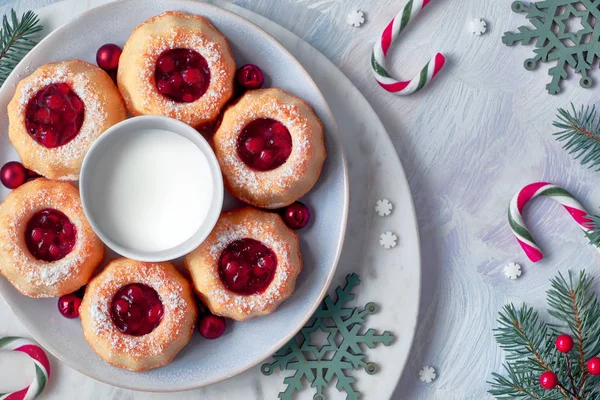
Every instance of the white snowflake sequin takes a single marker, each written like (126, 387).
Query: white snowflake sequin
(478, 26)
(383, 207)
(388, 240)
(512, 270)
(427, 374)
(356, 18)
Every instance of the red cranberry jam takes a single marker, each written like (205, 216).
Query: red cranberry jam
(247, 266)
(264, 144)
(182, 75)
(136, 309)
(50, 235)
(54, 116)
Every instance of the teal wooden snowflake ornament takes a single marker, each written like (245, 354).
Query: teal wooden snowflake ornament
(320, 364)
(557, 38)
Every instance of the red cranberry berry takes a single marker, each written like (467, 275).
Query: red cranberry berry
(53, 117)
(247, 266)
(13, 174)
(107, 56)
(202, 309)
(113, 75)
(593, 366)
(50, 235)
(68, 305)
(182, 75)
(250, 77)
(564, 343)
(296, 216)
(211, 326)
(548, 380)
(136, 309)
(264, 144)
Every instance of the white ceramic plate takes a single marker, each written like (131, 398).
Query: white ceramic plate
(245, 344)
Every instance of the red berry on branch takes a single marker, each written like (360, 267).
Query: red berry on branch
(211, 326)
(68, 305)
(107, 56)
(548, 380)
(564, 343)
(13, 174)
(593, 366)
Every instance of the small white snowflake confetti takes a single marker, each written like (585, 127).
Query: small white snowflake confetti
(478, 26)
(356, 18)
(388, 240)
(383, 207)
(427, 374)
(512, 270)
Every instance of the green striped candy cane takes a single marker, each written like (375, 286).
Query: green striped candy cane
(383, 44)
(560, 195)
(39, 358)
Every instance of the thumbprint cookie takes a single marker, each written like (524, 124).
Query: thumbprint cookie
(138, 315)
(47, 247)
(270, 148)
(58, 112)
(247, 266)
(177, 65)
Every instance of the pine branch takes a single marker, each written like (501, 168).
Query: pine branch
(594, 235)
(530, 348)
(17, 37)
(522, 334)
(581, 131)
(517, 386)
(576, 305)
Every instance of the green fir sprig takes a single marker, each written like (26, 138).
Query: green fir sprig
(594, 234)
(529, 344)
(17, 37)
(581, 132)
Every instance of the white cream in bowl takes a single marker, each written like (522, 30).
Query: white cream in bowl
(151, 188)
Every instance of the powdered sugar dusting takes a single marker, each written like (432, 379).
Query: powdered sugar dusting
(288, 115)
(208, 43)
(171, 294)
(94, 114)
(295, 115)
(263, 230)
(35, 272)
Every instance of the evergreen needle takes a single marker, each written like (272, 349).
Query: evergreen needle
(580, 130)
(594, 235)
(530, 350)
(17, 37)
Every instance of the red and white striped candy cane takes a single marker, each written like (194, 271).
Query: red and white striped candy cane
(515, 217)
(42, 367)
(380, 51)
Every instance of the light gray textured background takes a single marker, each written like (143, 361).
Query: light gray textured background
(468, 143)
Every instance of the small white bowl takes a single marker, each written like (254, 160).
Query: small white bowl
(186, 198)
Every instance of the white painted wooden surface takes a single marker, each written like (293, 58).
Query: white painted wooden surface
(468, 143)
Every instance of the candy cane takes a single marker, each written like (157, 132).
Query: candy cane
(42, 367)
(383, 77)
(515, 217)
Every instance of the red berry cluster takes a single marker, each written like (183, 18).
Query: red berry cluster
(564, 344)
